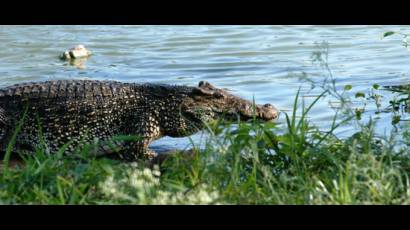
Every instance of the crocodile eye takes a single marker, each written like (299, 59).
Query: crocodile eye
(203, 84)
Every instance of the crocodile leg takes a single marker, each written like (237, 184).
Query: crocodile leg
(147, 130)
(139, 150)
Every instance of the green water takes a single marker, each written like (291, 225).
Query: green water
(259, 61)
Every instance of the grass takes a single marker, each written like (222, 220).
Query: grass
(251, 163)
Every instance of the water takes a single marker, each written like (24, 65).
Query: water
(259, 61)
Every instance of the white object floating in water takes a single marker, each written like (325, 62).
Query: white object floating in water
(77, 52)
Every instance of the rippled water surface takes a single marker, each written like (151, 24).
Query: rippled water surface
(260, 61)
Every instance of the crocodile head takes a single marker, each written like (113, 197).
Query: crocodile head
(209, 103)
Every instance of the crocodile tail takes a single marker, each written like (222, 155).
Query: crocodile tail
(3, 123)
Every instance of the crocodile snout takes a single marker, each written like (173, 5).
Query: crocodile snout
(268, 112)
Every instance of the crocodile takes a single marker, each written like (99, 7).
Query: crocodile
(70, 114)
